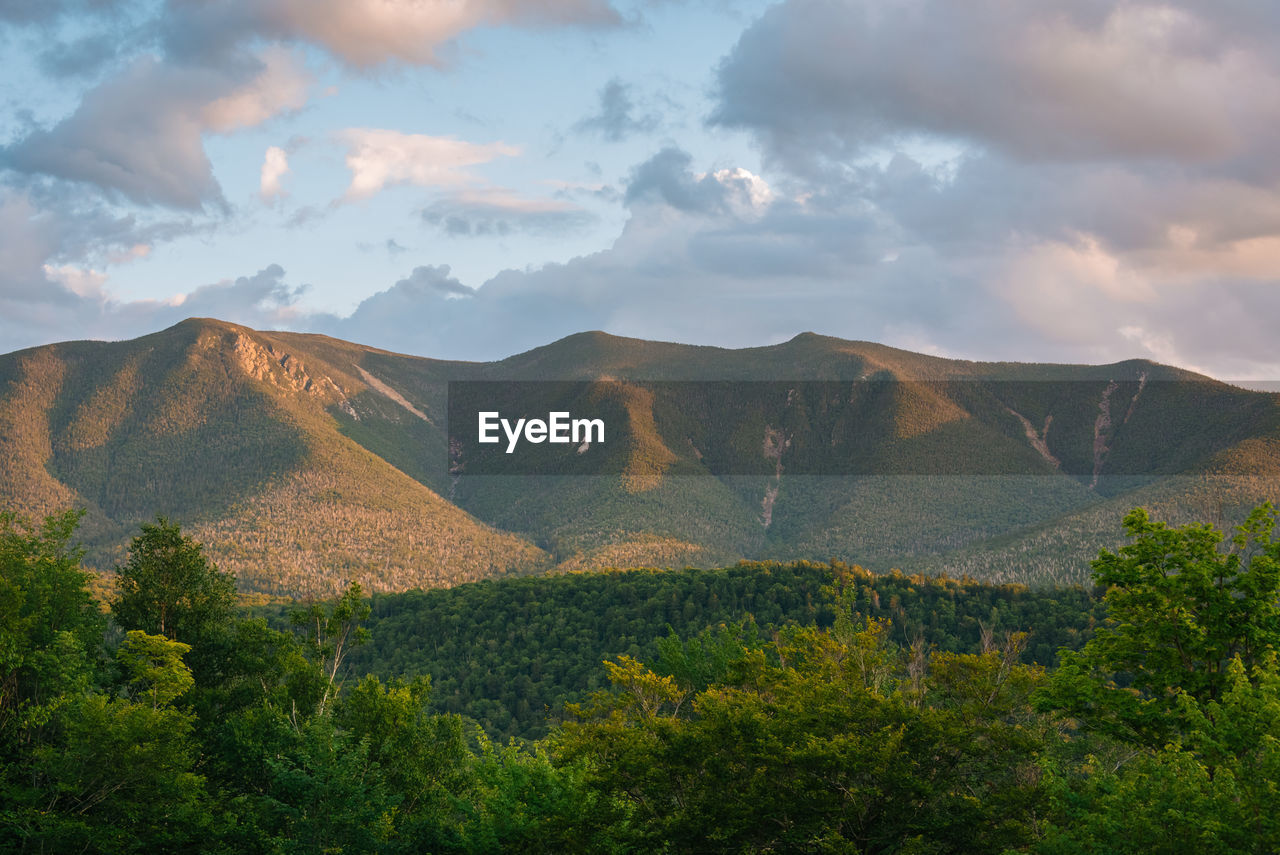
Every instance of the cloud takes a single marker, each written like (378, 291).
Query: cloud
(720, 257)
(81, 57)
(723, 274)
(26, 12)
(410, 316)
(667, 177)
(280, 85)
(725, 270)
(615, 121)
(1057, 80)
(379, 158)
(43, 227)
(27, 244)
(493, 211)
(430, 282)
(68, 301)
(79, 281)
(140, 135)
(1102, 176)
(56, 252)
(1083, 180)
(275, 164)
(264, 295)
(262, 300)
(364, 34)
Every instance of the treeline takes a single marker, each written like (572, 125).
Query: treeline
(171, 724)
(511, 653)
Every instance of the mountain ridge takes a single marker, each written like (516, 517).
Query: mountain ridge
(304, 460)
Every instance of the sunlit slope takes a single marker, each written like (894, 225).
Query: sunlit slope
(233, 432)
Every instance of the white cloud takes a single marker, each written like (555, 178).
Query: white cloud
(749, 194)
(1159, 347)
(692, 265)
(79, 281)
(1082, 180)
(275, 164)
(51, 289)
(76, 303)
(380, 158)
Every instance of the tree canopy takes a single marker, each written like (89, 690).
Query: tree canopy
(167, 586)
(851, 731)
(1184, 604)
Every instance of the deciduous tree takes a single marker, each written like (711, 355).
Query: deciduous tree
(167, 587)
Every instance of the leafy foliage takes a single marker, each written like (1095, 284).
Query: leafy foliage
(1182, 611)
(510, 654)
(333, 632)
(822, 742)
(845, 712)
(50, 628)
(154, 668)
(168, 588)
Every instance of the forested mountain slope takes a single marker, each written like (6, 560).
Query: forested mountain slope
(306, 461)
(232, 432)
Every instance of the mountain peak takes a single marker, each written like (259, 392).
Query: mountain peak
(302, 460)
(199, 325)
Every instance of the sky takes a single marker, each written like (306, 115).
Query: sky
(1031, 180)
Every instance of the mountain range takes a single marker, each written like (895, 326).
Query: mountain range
(302, 462)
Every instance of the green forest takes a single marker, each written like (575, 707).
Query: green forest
(763, 707)
(511, 653)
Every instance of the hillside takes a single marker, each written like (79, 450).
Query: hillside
(232, 432)
(303, 461)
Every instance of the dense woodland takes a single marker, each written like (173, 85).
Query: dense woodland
(511, 653)
(760, 708)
